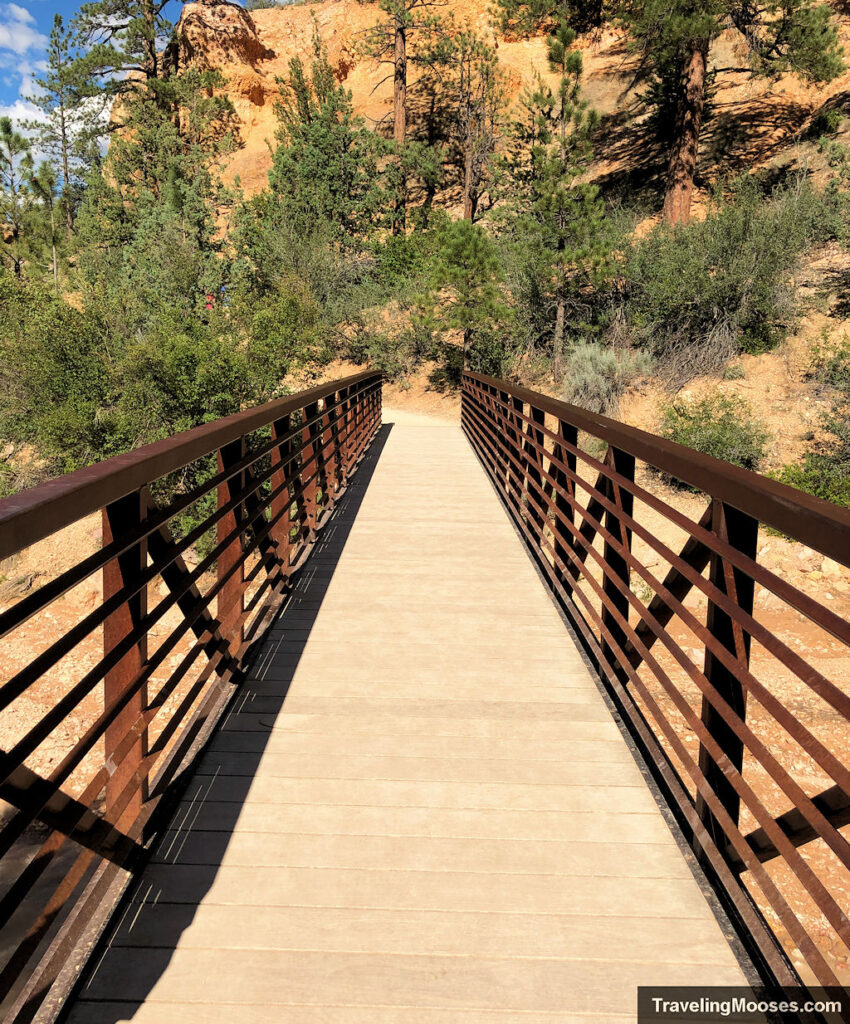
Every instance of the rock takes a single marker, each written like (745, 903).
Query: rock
(832, 568)
(218, 34)
(808, 559)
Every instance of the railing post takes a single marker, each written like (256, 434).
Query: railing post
(341, 442)
(310, 467)
(533, 467)
(564, 507)
(741, 532)
(330, 461)
(514, 432)
(281, 504)
(231, 596)
(119, 518)
(616, 566)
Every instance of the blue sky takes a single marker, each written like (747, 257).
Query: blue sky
(24, 26)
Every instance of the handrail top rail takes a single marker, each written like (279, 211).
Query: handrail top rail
(36, 513)
(812, 521)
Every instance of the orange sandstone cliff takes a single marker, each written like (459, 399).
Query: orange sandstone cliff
(765, 121)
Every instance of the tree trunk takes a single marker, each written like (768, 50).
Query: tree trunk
(400, 84)
(66, 167)
(683, 158)
(558, 337)
(467, 344)
(151, 58)
(470, 193)
(53, 249)
(400, 118)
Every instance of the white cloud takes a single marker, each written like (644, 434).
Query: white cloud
(17, 31)
(21, 14)
(20, 111)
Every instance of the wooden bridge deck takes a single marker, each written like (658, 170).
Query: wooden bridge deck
(420, 810)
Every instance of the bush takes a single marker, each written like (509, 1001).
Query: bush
(827, 122)
(825, 469)
(597, 375)
(54, 376)
(719, 425)
(697, 295)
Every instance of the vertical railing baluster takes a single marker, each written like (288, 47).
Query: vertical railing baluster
(741, 532)
(616, 565)
(310, 468)
(563, 505)
(281, 504)
(533, 467)
(231, 596)
(339, 438)
(120, 518)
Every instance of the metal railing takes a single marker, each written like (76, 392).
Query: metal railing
(202, 534)
(734, 681)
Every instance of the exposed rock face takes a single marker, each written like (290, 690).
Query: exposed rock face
(217, 32)
(252, 49)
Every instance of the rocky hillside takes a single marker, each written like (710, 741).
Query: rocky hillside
(754, 122)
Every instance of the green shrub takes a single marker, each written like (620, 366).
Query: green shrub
(54, 376)
(826, 122)
(824, 470)
(597, 375)
(734, 372)
(697, 295)
(718, 425)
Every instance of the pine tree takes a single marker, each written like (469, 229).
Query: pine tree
(468, 277)
(122, 42)
(545, 199)
(71, 117)
(327, 163)
(388, 42)
(674, 42)
(674, 38)
(15, 165)
(43, 184)
(474, 92)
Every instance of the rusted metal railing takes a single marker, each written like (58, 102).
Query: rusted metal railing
(108, 692)
(733, 679)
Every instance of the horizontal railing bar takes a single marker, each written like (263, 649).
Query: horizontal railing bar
(34, 514)
(54, 589)
(165, 648)
(818, 524)
(798, 600)
(818, 683)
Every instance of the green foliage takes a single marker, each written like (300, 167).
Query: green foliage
(523, 18)
(826, 122)
(719, 425)
(467, 272)
(597, 375)
(54, 376)
(121, 40)
(697, 295)
(824, 470)
(326, 167)
(555, 223)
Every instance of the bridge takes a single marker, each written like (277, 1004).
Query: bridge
(369, 717)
